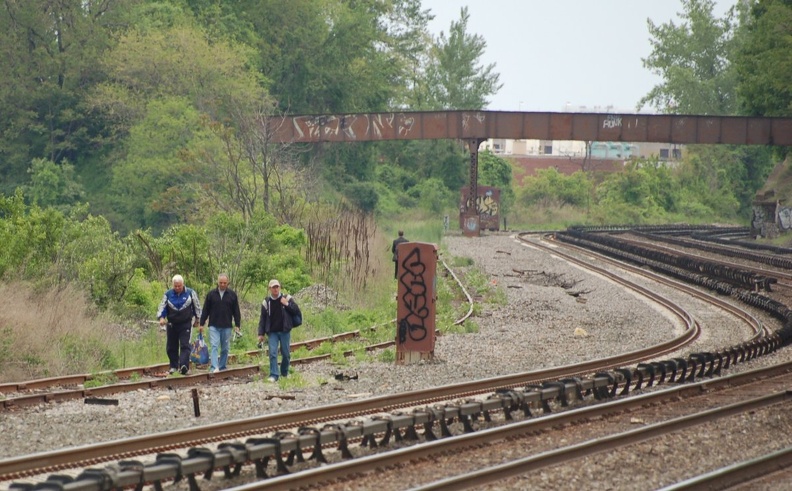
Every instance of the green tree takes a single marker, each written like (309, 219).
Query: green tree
(456, 78)
(551, 188)
(30, 236)
(49, 51)
(432, 196)
(174, 61)
(644, 192)
(153, 183)
(764, 61)
(363, 195)
(693, 59)
(99, 260)
(408, 26)
(497, 172)
(326, 56)
(727, 177)
(53, 185)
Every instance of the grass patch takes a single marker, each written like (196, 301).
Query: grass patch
(51, 333)
(101, 379)
(295, 380)
(58, 332)
(388, 355)
(148, 349)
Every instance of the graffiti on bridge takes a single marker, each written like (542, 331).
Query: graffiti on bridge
(353, 126)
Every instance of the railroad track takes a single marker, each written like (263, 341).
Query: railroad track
(472, 460)
(92, 455)
(777, 272)
(58, 389)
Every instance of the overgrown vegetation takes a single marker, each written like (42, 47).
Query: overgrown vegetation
(134, 147)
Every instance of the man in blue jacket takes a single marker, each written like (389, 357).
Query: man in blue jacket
(221, 307)
(181, 310)
(276, 323)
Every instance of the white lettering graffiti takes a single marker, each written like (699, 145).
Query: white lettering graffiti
(611, 122)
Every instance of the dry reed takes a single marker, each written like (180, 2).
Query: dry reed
(48, 333)
(339, 250)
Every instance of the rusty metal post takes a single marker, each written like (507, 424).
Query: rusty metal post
(196, 407)
(416, 298)
(471, 221)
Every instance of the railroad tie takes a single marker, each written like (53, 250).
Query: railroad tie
(106, 478)
(239, 455)
(627, 374)
(317, 450)
(644, 367)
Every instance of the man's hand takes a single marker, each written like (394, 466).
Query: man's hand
(200, 329)
(163, 321)
(196, 323)
(284, 301)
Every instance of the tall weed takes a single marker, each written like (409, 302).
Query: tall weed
(51, 333)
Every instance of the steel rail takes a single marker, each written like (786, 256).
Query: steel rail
(755, 324)
(769, 272)
(107, 451)
(572, 452)
(739, 473)
(464, 290)
(449, 445)
(126, 373)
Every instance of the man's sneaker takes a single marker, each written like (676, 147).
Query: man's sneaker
(171, 371)
(272, 379)
(214, 370)
(183, 369)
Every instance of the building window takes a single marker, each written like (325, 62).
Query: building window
(548, 149)
(664, 153)
(676, 154)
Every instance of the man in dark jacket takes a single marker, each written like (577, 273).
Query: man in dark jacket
(178, 308)
(221, 307)
(276, 323)
(398, 240)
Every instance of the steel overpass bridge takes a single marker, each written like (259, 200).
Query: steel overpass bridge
(474, 127)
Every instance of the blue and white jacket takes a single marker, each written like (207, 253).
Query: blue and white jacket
(179, 308)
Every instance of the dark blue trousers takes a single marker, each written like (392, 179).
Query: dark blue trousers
(178, 344)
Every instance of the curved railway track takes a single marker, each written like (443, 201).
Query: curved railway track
(599, 428)
(506, 397)
(772, 271)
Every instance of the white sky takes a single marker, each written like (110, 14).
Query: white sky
(550, 53)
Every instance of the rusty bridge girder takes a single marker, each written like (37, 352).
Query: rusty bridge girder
(480, 125)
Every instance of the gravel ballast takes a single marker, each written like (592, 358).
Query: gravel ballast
(554, 314)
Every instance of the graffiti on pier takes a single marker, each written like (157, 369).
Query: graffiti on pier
(416, 297)
(768, 220)
(758, 217)
(785, 218)
(487, 205)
